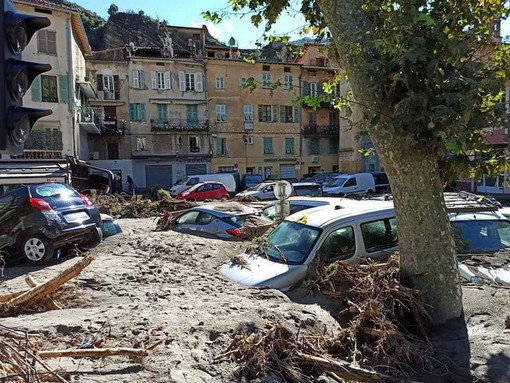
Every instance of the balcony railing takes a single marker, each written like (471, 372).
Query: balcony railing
(44, 140)
(321, 130)
(88, 115)
(179, 125)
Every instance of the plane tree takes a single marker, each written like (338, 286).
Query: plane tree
(428, 76)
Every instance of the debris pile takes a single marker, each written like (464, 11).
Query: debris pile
(385, 328)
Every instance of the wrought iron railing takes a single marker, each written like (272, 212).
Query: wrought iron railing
(321, 130)
(178, 125)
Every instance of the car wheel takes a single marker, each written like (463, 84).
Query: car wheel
(94, 238)
(36, 248)
(224, 198)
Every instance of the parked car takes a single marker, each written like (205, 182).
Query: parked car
(38, 219)
(382, 184)
(262, 192)
(203, 191)
(226, 179)
(298, 204)
(109, 226)
(321, 178)
(307, 189)
(345, 184)
(250, 180)
(224, 222)
(354, 230)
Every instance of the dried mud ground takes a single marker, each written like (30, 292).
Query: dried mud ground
(146, 286)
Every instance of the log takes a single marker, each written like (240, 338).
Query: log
(343, 369)
(31, 282)
(92, 352)
(7, 297)
(52, 284)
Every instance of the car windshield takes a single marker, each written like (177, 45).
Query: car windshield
(182, 181)
(52, 190)
(336, 181)
(291, 242)
(258, 187)
(481, 236)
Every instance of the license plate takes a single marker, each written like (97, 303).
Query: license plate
(76, 217)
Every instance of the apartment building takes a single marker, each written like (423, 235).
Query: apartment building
(254, 129)
(64, 89)
(152, 108)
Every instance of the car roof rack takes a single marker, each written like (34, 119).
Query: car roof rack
(468, 202)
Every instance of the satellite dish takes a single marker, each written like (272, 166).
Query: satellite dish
(282, 189)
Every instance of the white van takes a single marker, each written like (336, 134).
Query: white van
(226, 179)
(349, 184)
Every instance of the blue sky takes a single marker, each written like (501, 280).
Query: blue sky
(188, 13)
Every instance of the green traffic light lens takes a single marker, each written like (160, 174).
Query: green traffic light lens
(19, 131)
(19, 84)
(18, 37)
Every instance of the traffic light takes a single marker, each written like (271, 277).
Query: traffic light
(17, 75)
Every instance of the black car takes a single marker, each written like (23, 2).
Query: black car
(36, 220)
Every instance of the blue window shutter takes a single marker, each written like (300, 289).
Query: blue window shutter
(162, 112)
(63, 94)
(36, 89)
(132, 112)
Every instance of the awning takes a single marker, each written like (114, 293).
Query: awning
(90, 127)
(87, 89)
(28, 173)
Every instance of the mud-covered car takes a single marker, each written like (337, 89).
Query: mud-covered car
(38, 219)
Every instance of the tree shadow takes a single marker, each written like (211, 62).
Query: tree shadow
(498, 367)
(451, 353)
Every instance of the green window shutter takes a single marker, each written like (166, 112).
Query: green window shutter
(289, 145)
(36, 89)
(314, 146)
(296, 113)
(274, 113)
(219, 146)
(268, 145)
(162, 112)
(63, 94)
(132, 112)
(142, 112)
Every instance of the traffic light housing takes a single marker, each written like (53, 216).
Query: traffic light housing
(17, 75)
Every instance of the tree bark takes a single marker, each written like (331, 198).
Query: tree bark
(426, 245)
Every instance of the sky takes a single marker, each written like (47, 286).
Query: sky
(187, 13)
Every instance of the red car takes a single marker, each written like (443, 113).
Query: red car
(204, 190)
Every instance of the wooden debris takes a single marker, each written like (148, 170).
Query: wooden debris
(52, 284)
(93, 352)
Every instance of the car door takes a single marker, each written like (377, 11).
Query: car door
(202, 192)
(195, 222)
(379, 237)
(350, 186)
(268, 193)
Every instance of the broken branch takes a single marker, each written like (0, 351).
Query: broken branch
(93, 352)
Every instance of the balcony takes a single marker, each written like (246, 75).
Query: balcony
(179, 125)
(320, 130)
(89, 120)
(50, 140)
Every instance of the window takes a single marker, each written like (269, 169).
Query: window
(221, 113)
(220, 83)
(288, 113)
(113, 150)
(248, 112)
(379, 235)
(350, 182)
(49, 88)
(162, 113)
(333, 119)
(314, 89)
(287, 82)
(314, 146)
(266, 80)
(192, 114)
(289, 145)
(137, 79)
(312, 118)
(160, 80)
(194, 144)
(339, 245)
(190, 82)
(268, 113)
(141, 144)
(321, 61)
(137, 112)
(333, 145)
(47, 42)
(221, 146)
(268, 145)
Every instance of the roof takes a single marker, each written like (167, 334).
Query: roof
(323, 215)
(77, 25)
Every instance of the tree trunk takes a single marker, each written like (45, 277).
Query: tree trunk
(426, 244)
